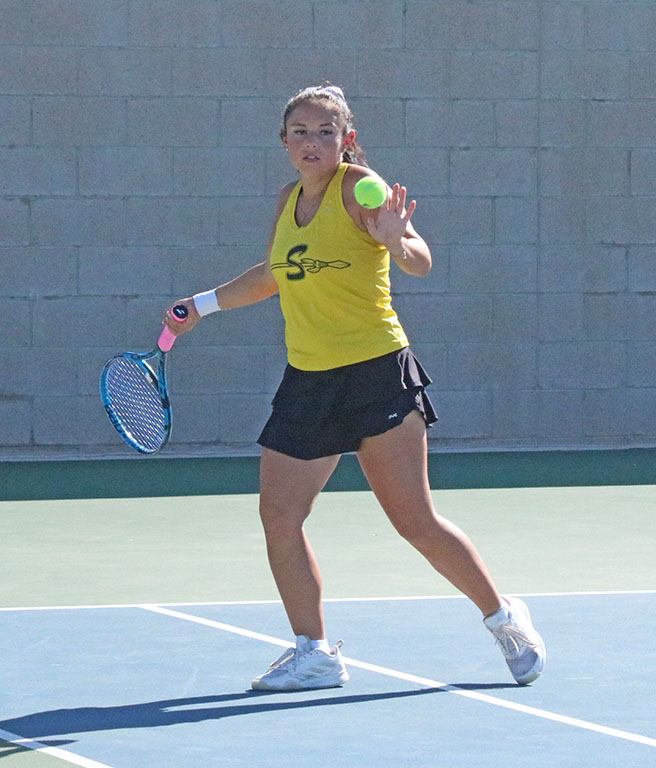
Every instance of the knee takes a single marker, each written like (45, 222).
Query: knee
(281, 520)
(414, 534)
(418, 530)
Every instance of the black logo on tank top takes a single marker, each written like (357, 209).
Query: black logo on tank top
(306, 264)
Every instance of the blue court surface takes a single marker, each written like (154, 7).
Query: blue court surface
(167, 686)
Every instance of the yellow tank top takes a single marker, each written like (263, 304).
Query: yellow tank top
(334, 286)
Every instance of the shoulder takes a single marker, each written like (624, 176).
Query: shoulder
(283, 197)
(287, 189)
(285, 192)
(354, 173)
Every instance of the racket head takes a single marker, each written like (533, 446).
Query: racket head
(134, 393)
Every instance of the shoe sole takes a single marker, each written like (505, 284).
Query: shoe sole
(293, 685)
(519, 606)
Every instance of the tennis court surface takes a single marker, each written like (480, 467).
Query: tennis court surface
(131, 628)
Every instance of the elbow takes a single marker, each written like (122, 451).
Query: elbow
(423, 268)
(420, 267)
(420, 262)
(416, 267)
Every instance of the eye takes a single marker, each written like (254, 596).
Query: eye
(299, 131)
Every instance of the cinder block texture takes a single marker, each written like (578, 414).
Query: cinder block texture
(140, 161)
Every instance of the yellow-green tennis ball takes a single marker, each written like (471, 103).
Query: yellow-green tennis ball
(370, 193)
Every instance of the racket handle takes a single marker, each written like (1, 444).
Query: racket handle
(167, 337)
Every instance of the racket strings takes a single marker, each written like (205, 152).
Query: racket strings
(136, 403)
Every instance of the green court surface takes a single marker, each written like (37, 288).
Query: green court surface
(211, 548)
(16, 757)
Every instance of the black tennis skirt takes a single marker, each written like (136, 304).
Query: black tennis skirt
(325, 413)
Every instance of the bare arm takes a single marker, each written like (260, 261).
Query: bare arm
(417, 260)
(253, 285)
(257, 283)
(390, 225)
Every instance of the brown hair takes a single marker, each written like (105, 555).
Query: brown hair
(335, 100)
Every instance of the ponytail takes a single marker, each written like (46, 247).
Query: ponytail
(355, 155)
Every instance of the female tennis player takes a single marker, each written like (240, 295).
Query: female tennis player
(351, 384)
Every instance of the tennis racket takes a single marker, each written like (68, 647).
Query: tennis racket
(134, 392)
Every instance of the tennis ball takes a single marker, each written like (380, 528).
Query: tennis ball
(370, 193)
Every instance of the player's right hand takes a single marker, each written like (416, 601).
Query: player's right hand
(177, 327)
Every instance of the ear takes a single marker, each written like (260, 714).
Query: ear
(349, 139)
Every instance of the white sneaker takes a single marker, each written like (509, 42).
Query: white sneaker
(302, 668)
(519, 642)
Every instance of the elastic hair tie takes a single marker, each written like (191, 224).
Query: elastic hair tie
(336, 91)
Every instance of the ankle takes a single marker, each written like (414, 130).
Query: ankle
(501, 604)
(307, 643)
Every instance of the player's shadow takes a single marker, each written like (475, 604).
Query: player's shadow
(156, 714)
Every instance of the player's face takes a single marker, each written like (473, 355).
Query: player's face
(315, 138)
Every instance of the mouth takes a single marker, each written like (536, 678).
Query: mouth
(310, 158)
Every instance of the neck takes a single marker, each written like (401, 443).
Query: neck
(315, 186)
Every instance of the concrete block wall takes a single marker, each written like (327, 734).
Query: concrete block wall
(140, 159)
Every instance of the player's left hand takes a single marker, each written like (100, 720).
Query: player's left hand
(392, 220)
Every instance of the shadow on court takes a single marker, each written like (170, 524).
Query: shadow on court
(155, 714)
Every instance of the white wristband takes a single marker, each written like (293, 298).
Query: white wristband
(206, 303)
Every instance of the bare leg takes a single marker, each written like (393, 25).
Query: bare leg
(395, 465)
(288, 490)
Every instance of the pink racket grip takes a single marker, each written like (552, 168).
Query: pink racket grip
(167, 337)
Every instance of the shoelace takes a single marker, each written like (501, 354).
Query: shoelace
(285, 658)
(512, 639)
(291, 653)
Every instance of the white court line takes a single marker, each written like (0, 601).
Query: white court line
(101, 606)
(542, 713)
(62, 754)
